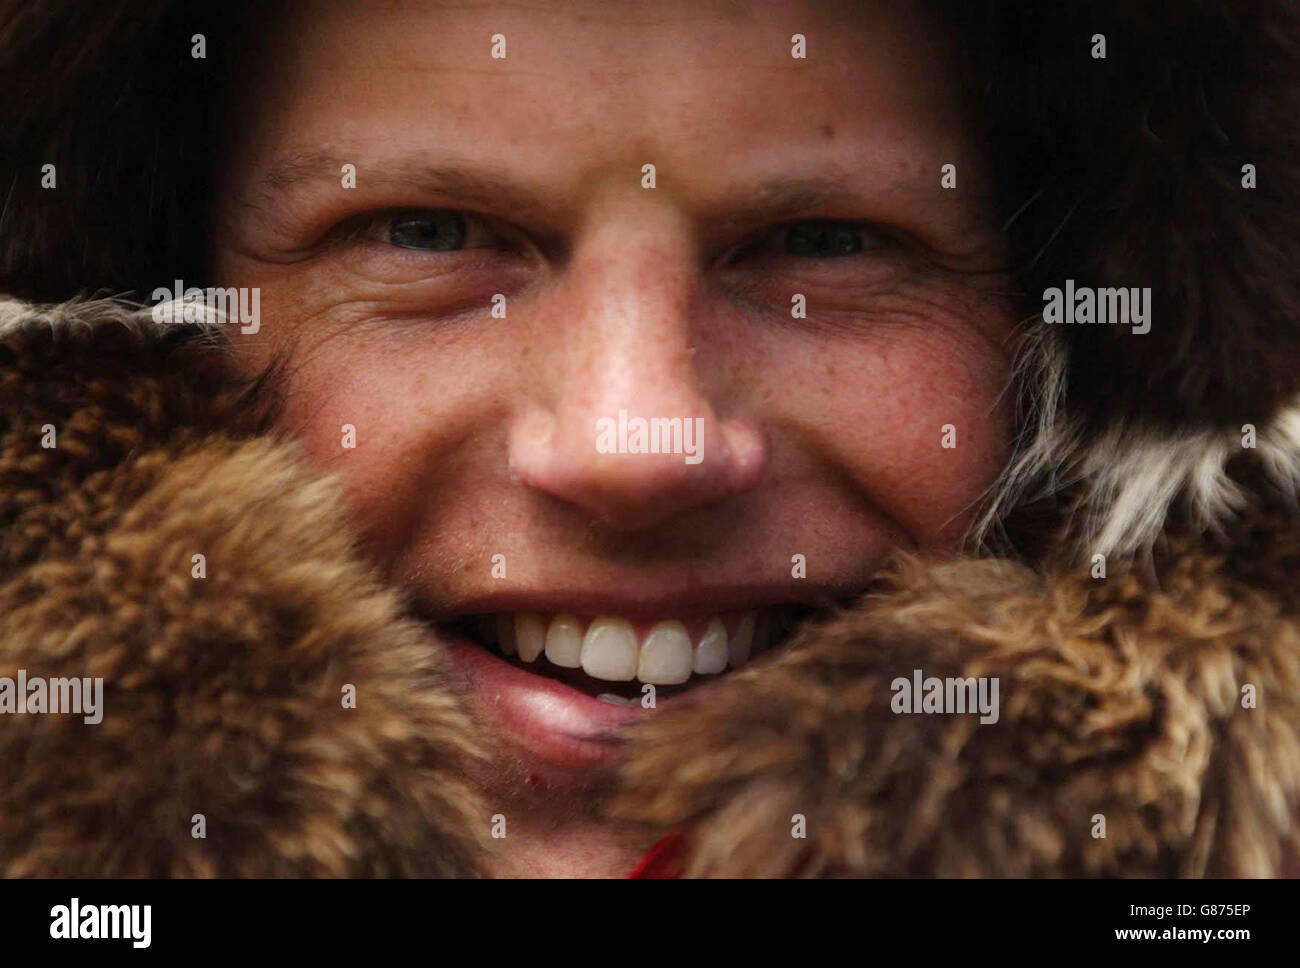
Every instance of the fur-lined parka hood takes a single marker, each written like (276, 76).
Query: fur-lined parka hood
(1132, 586)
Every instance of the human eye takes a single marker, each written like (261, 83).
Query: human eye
(427, 230)
(818, 239)
(406, 245)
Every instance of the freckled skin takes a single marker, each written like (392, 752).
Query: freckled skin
(476, 435)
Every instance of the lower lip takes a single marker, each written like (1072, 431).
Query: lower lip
(547, 720)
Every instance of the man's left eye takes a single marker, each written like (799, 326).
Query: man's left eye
(822, 239)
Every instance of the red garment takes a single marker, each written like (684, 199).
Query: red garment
(662, 860)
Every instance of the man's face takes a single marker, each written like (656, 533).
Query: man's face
(492, 474)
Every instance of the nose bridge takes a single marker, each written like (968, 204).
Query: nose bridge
(634, 285)
(630, 433)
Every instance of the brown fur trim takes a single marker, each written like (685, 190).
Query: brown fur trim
(1119, 697)
(222, 695)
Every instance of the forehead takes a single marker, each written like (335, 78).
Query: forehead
(583, 85)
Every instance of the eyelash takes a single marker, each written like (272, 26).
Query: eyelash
(774, 235)
(375, 228)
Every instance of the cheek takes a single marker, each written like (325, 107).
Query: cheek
(360, 428)
(916, 419)
(362, 405)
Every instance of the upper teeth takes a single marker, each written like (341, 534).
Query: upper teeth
(609, 647)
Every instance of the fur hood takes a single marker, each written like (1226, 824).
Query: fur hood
(1133, 587)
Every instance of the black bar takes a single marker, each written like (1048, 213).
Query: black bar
(447, 920)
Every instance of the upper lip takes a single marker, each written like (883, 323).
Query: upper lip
(695, 601)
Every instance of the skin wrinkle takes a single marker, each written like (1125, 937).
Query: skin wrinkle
(476, 434)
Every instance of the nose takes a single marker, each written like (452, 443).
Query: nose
(630, 434)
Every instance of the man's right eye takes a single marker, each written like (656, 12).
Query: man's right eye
(427, 230)
(435, 231)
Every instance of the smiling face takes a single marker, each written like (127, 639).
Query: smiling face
(495, 472)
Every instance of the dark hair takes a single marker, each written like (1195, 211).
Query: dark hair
(109, 93)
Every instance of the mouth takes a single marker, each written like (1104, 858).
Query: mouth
(560, 683)
(611, 658)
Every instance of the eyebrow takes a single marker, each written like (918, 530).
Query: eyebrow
(784, 197)
(476, 185)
